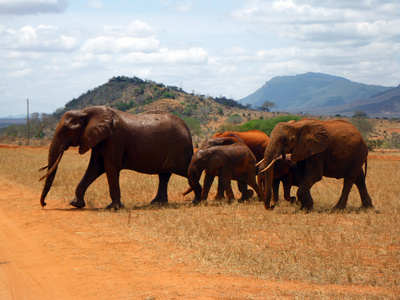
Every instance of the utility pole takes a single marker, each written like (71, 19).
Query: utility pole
(27, 117)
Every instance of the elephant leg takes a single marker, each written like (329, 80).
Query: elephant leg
(362, 189)
(253, 183)
(246, 193)
(195, 185)
(208, 180)
(225, 175)
(287, 186)
(114, 188)
(275, 190)
(220, 190)
(347, 185)
(304, 195)
(312, 174)
(94, 170)
(162, 196)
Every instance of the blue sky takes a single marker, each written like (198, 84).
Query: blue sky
(54, 50)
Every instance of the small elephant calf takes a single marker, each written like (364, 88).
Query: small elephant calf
(229, 160)
(288, 173)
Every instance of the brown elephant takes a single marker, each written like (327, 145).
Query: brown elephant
(320, 148)
(153, 143)
(256, 140)
(287, 172)
(227, 159)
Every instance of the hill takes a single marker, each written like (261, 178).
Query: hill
(383, 105)
(4, 122)
(135, 95)
(311, 90)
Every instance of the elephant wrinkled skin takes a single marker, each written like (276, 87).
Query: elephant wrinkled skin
(153, 143)
(321, 148)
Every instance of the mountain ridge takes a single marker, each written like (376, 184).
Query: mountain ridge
(311, 90)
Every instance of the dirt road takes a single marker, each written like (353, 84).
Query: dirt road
(63, 253)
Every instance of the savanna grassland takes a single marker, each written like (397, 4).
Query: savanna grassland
(216, 250)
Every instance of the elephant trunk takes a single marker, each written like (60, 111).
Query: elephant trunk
(267, 168)
(55, 155)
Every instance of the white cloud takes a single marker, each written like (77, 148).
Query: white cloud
(107, 44)
(41, 38)
(180, 6)
(165, 56)
(95, 4)
(135, 28)
(29, 7)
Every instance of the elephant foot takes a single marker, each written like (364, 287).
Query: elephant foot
(198, 202)
(115, 206)
(246, 196)
(78, 203)
(293, 200)
(339, 207)
(219, 197)
(157, 201)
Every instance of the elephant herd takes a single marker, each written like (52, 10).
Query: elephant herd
(297, 153)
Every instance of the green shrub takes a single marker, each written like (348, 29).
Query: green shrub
(266, 125)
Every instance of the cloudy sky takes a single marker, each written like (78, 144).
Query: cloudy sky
(54, 50)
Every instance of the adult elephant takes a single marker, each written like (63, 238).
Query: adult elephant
(227, 159)
(153, 143)
(320, 148)
(256, 140)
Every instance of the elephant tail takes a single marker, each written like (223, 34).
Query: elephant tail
(190, 189)
(366, 166)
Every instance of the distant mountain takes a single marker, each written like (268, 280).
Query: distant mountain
(4, 122)
(311, 90)
(386, 104)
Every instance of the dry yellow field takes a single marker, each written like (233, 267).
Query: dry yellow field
(213, 251)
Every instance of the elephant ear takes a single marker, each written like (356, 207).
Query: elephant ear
(313, 138)
(99, 123)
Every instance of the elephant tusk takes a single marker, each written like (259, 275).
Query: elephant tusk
(53, 167)
(44, 168)
(270, 165)
(259, 163)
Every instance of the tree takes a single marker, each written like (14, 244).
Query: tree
(363, 124)
(268, 105)
(40, 121)
(360, 113)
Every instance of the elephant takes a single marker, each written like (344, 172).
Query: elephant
(229, 160)
(287, 172)
(321, 148)
(153, 142)
(256, 140)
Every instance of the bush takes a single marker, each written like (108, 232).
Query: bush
(234, 119)
(364, 125)
(193, 124)
(266, 125)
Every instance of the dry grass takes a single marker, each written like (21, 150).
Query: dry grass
(354, 247)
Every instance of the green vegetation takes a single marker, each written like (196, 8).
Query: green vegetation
(363, 124)
(267, 125)
(228, 102)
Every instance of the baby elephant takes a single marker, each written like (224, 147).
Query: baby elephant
(288, 173)
(227, 161)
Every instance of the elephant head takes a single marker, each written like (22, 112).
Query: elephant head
(84, 128)
(302, 139)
